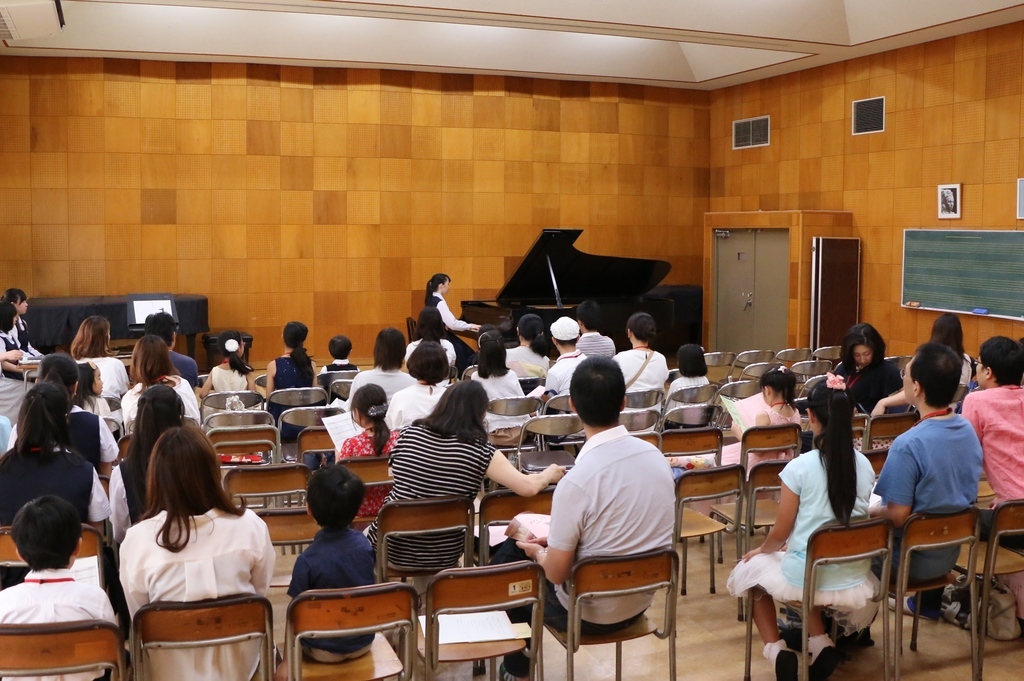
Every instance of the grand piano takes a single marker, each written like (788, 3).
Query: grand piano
(554, 278)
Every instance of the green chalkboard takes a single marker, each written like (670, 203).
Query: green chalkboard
(964, 271)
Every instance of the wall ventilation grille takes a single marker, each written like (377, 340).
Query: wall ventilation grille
(751, 132)
(869, 116)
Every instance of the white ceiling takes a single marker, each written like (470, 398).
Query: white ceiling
(702, 44)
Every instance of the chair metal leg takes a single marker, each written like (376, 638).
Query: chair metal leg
(570, 673)
(672, 655)
(480, 668)
(986, 591)
(898, 639)
(711, 562)
(975, 638)
(618, 661)
(721, 541)
(917, 617)
(682, 565)
(749, 599)
(886, 641)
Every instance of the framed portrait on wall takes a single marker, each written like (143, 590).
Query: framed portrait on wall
(949, 201)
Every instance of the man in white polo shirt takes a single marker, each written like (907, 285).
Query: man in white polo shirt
(617, 500)
(565, 332)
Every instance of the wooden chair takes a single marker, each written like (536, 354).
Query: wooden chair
(832, 353)
(238, 419)
(882, 430)
(703, 485)
(719, 366)
(837, 545)
(421, 518)
(376, 609)
(244, 441)
(499, 507)
(483, 589)
(604, 577)
(566, 426)
(42, 650)
(644, 399)
(202, 624)
(314, 440)
(374, 471)
(693, 442)
(92, 547)
(926, 532)
(877, 458)
(991, 560)
(766, 439)
(284, 483)
(793, 355)
(749, 357)
(641, 420)
(290, 528)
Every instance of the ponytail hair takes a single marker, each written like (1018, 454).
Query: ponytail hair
(782, 381)
(833, 407)
(531, 328)
(372, 402)
(294, 336)
(434, 283)
(229, 343)
(160, 408)
(42, 426)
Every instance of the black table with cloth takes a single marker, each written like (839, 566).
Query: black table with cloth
(55, 321)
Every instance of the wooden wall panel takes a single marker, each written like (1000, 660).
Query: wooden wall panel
(331, 195)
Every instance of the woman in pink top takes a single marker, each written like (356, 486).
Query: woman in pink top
(369, 405)
(773, 407)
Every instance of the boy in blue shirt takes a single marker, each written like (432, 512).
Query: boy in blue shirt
(339, 557)
(932, 468)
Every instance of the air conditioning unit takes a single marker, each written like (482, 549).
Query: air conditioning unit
(25, 19)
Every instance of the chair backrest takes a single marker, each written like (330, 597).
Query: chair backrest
(246, 440)
(327, 378)
(234, 419)
(122, 446)
(700, 394)
(558, 404)
(877, 458)
(374, 471)
(859, 541)
(219, 401)
(514, 406)
(887, 427)
(315, 439)
(500, 506)
(764, 476)
(694, 415)
(644, 399)
(530, 383)
(809, 384)
(289, 526)
(719, 365)
(1007, 519)
(832, 353)
(203, 624)
(307, 417)
(925, 531)
(751, 357)
(757, 370)
(552, 425)
(378, 608)
(708, 483)
(341, 388)
(453, 373)
(276, 480)
(738, 390)
(432, 516)
(113, 402)
(640, 420)
(691, 441)
(52, 649)
(261, 381)
(297, 397)
(469, 372)
(960, 394)
(793, 355)
(92, 547)
(810, 368)
(760, 439)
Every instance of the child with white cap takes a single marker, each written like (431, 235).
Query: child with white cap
(565, 332)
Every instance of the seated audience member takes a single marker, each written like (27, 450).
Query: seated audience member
(388, 354)
(773, 407)
(369, 406)
(151, 365)
(293, 369)
(430, 328)
(447, 453)
(48, 535)
(830, 484)
(163, 325)
(530, 358)
(193, 544)
(92, 344)
(932, 468)
(18, 298)
(340, 348)
(868, 376)
(643, 368)
(591, 342)
(89, 395)
(12, 387)
(617, 500)
(564, 332)
(338, 558)
(233, 374)
(159, 410)
(946, 330)
(429, 365)
(997, 413)
(693, 370)
(496, 378)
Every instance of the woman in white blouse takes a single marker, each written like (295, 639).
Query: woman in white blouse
(429, 327)
(92, 344)
(387, 364)
(429, 366)
(151, 365)
(530, 358)
(194, 544)
(499, 382)
(643, 368)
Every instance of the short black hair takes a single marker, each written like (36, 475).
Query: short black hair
(428, 363)
(588, 313)
(334, 496)
(46, 531)
(161, 324)
(937, 368)
(14, 296)
(340, 347)
(1005, 357)
(691, 360)
(389, 349)
(7, 316)
(642, 325)
(597, 390)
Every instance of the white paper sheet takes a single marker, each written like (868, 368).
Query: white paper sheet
(144, 308)
(473, 627)
(341, 427)
(86, 571)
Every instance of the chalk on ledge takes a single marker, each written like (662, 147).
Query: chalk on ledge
(980, 310)
(913, 303)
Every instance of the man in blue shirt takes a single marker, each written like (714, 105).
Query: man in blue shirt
(932, 468)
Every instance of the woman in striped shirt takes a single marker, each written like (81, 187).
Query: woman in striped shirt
(447, 453)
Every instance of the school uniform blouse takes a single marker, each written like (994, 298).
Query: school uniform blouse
(640, 376)
(448, 318)
(449, 350)
(412, 403)
(20, 335)
(106, 445)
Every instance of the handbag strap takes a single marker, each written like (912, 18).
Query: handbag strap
(650, 353)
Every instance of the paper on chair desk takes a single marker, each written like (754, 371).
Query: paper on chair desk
(341, 427)
(86, 571)
(473, 627)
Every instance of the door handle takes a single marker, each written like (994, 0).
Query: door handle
(750, 301)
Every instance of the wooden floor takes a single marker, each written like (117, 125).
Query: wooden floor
(709, 644)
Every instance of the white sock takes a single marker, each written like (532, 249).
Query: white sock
(772, 650)
(816, 644)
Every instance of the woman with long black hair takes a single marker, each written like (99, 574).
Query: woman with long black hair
(437, 288)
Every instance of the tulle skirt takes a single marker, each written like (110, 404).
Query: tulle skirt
(765, 570)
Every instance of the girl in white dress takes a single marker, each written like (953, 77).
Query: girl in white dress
(232, 374)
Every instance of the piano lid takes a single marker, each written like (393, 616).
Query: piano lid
(579, 275)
